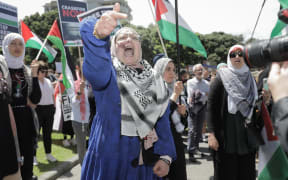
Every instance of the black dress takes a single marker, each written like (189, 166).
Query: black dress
(178, 167)
(8, 157)
(23, 116)
(235, 158)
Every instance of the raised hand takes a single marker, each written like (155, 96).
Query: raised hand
(108, 22)
(277, 80)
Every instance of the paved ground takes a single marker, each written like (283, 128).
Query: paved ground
(201, 171)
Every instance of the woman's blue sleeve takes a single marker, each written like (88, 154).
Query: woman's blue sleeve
(165, 144)
(97, 65)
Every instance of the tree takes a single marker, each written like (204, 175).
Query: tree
(217, 45)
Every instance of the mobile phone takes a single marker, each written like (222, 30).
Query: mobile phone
(265, 84)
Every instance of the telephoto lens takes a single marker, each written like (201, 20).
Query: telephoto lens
(263, 52)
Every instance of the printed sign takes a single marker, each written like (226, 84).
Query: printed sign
(96, 12)
(68, 11)
(66, 107)
(8, 20)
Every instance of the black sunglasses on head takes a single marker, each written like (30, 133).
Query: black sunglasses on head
(234, 54)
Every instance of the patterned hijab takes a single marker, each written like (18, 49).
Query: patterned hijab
(144, 97)
(12, 61)
(240, 86)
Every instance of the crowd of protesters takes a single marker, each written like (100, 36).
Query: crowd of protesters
(143, 111)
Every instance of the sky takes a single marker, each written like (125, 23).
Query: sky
(204, 16)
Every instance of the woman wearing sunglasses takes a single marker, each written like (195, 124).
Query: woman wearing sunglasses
(232, 97)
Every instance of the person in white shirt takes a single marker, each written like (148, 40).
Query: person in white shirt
(45, 109)
(80, 114)
(197, 89)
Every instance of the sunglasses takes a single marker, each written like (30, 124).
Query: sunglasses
(234, 54)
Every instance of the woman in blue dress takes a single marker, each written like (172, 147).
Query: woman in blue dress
(130, 137)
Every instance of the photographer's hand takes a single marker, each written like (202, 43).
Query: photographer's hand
(277, 80)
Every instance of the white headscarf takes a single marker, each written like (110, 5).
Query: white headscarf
(12, 61)
(144, 97)
(113, 41)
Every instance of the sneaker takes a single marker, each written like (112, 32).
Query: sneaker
(34, 178)
(73, 142)
(50, 158)
(192, 159)
(199, 153)
(66, 143)
(35, 162)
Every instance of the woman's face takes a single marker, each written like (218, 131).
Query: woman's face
(128, 47)
(169, 73)
(16, 48)
(236, 58)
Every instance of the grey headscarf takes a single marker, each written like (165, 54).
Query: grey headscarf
(160, 67)
(240, 86)
(12, 61)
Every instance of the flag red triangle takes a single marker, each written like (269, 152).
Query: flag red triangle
(268, 123)
(26, 32)
(55, 31)
(161, 9)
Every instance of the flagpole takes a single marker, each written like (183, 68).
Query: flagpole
(178, 46)
(37, 57)
(80, 62)
(157, 27)
(177, 38)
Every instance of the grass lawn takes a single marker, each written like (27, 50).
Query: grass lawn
(60, 152)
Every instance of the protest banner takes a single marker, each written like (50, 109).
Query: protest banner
(8, 20)
(68, 11)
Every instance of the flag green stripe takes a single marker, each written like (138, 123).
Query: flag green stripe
(59, 44)
(186, 37)
(10, 23)
(34, 44)
(277, 29)
(276, 168)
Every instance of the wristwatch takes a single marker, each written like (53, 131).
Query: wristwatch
(166, 161)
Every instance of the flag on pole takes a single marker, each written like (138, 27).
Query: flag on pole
(165, 17)
(273, 163)
(32, 41)
(55, 37)
(280, 25)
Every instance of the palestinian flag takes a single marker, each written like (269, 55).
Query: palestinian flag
(273, 163)
(32, 41)
(55, 37)
(165, 17)
(280, 25)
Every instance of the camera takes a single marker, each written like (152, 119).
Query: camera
(263, 52)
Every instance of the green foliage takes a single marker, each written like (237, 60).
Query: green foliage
(217, 44)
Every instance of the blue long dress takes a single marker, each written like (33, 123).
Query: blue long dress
(110, 154)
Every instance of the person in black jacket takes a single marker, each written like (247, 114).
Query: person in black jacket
(233, 94)
(24, 91)
(165, 67)
(278, 85)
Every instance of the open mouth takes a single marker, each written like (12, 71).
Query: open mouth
(129, 52)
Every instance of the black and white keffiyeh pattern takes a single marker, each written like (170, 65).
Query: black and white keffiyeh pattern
(144, 98)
